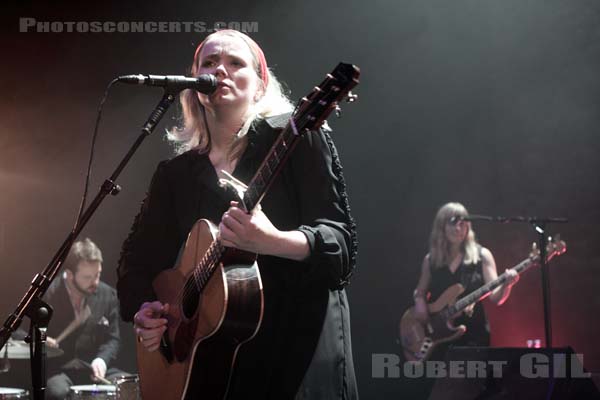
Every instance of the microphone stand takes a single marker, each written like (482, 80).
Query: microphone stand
(539, 225)
(32, 305)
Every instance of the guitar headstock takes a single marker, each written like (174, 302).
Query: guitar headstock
(313, 109)
(555, 247)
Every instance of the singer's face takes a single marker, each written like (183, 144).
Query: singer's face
(456, 231)
(230, 60)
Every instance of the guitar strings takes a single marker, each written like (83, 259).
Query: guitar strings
(204, 269)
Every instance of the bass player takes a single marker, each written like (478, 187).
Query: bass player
(456, 257)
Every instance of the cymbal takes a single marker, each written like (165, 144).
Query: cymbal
(19, 350)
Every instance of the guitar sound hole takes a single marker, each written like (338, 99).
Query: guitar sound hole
(191, 299)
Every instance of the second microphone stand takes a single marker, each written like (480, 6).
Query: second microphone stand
(539, 225)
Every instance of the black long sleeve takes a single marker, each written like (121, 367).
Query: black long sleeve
(185, 189)
(151, 246)
(324, 208)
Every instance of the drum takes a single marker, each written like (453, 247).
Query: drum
(128, 387)
(92, 392)
(13, 393)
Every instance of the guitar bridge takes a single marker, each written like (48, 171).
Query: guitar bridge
(427, 343)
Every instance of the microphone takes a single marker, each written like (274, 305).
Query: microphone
(458, 218)
(531, 220)
(204, 83)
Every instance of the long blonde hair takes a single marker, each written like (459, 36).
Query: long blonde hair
(439, 246)
(192, 133)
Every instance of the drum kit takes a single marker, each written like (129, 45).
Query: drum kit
(124, 387)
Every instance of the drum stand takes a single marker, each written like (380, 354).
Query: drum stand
(39, 314)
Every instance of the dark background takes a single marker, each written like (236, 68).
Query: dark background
(490, 103)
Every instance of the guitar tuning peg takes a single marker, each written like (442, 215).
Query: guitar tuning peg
(351, 97)
(534, 250)
(338, 111)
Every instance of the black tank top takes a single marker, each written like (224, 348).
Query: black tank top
(470, 276)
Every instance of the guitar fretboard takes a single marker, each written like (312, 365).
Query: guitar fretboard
(260, 183)
(488, 288)
(270, 167)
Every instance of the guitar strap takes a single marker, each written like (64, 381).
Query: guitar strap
(472, 276)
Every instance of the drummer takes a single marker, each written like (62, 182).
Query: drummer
(85, 323)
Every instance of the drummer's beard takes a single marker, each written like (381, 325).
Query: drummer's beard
(85, 292)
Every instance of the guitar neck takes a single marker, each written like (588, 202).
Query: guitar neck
(485, 290)
(271, 166)
(257, 188)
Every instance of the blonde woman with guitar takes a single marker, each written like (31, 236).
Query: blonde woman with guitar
(234, 271)
(456, 257)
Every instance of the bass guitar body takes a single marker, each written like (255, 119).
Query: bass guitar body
(209, 318)
(418, 338)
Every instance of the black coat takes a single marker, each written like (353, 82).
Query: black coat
(305, 333)
(97, 337)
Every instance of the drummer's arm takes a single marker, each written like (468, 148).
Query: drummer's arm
(51, 342)
(107, 352)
